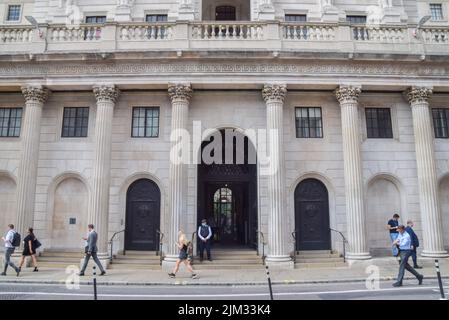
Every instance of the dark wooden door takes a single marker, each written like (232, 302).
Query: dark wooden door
(312, 216)
(142, 216)
(225, 13)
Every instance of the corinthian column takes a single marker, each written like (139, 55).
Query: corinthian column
(180, 95)
(35, 97)
(106, 95)
(355, 209)
(278, 255)
(427, 177)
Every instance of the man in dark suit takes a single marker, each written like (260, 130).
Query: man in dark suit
(91, 250)
(415, 242)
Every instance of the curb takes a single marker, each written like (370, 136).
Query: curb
(196, 283)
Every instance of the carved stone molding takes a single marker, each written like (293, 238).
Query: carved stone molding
(346, 93)
(180, 91)
(418, 95)
(106, 93)
(274, 92)
(35, 93)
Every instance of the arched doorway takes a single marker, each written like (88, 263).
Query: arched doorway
(227, 190)
(312, 215)
(143, 201)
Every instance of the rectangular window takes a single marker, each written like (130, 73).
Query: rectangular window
(145, 122)
(10, 122)
(309, 123)
(96, 19)
(378, 123)
(295, 18)
(440, 122)
(356, 19)
(75, 122)
(13, 13)
(156, 18)
(436, 11)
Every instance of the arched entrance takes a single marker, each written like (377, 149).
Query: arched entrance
(227, 190)
(143, 202)
(312, 216)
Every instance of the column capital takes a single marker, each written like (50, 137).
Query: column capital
(348, 93)
(106, 93)
(36, 93)
(180, 92)
(417, 94)
(273, 92)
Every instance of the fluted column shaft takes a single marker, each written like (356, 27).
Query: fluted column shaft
(180, 95)
(355, 209)
(106, 96)
(426, 169)
(35, 97)
(274, 95)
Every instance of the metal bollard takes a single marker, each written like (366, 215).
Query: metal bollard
(269, 282)
(440, 283)
(95, 283)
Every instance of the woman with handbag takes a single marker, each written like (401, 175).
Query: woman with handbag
(184, 245)
(29, 249)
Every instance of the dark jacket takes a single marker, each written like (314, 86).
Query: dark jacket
(413, 237)
(92, 242)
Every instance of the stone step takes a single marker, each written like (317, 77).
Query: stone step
(56, 265)
(60, 259)
(78, 254)
(223, 257)
(318, 265)
(228, 266)
(305, 252)
(134, 267)
(322, 256)
(228, 262)
(132, 253)
(136, 257)
(319, 260)
(135, 261)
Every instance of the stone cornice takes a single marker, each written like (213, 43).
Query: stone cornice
(274, 92)
(179, 92)
(417, 95)
(35, 93)
(106, 93)
(347, 93)
(389, 69)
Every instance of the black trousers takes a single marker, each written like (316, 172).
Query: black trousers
(205, 245)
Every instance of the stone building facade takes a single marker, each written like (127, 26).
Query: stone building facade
(357, 91)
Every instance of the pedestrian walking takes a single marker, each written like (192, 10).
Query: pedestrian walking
(205, 235)
(405, 251)
(12, 240)
(415, 243)
(91, 251)
(184, 247)
(30, 244)
(393, 228)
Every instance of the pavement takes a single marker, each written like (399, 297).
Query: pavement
(369, 271)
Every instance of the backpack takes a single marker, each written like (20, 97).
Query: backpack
(190, 250)
(16, 240)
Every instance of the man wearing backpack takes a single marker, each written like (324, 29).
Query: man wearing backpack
(12, 240)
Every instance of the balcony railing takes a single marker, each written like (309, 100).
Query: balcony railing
(289, 36)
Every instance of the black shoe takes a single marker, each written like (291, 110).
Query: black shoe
(81, 274)
(3, 274)
(172, 275)
(210, 259)
(102, 273)
(18, 271)
(194, 276)
(420, 279)
(35, 269)
(417, 267)
(397, 284)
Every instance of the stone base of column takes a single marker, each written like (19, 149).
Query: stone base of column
(169, 263)
(104, 260)
(358, 256)
(434, 254)
(279, 262)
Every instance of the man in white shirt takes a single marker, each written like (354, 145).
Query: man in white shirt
(205, 235)
(8, 239)
(405, 251)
